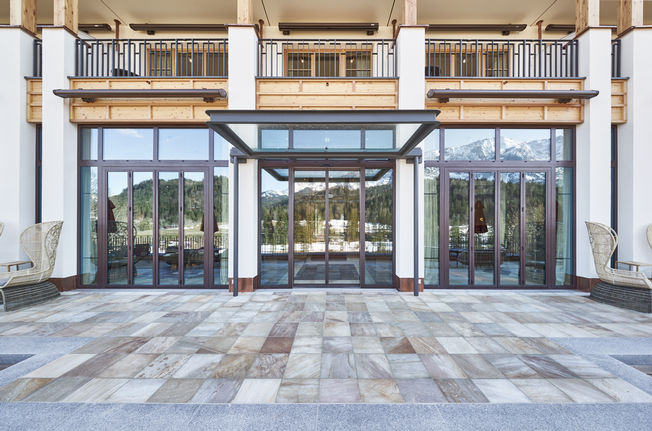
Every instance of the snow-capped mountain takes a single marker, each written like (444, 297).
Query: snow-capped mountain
(483, 149)
(511, 149)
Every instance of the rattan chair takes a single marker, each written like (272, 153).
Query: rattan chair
(29, 286)
(619, 287)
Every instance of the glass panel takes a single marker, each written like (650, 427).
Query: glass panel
(466, 64)
(183, 144)
(535, 228)
(193, 228)
(510, 228)
(328, 139)
(438, 63)
(143, 225)
(431, 202)
(470, 144)
(344, 227)
(221, 226)
(565, 222)
(525, 144)
(379, 223)
(128, 144)
(484, 227)
(217, 63)
(274, 138)
(564, 143)
(299, 64)
(160, 63)
(89, 143)
(431, 146)
(168, 228)
(328, 64)
(190, 63)
(379, 139)
(496, 63)
(458, 230)
(358, 63)
(88, 224)
(221, 148)
(310, 227)
(274, 203)
(117, 228)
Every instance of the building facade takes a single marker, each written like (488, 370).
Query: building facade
(424, 151)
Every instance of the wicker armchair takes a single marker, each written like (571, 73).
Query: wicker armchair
(28, 286)
(622, 288)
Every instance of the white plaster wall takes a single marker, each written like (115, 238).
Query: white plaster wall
(411, 95)
(635, 149)
(242, 95)
(593, 144)
(17, 162)
(59, 147)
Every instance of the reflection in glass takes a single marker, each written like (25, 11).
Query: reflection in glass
(525, 144)
(88, 224)
(470, 144)
(310, 227)
(221, 148)
(193, 227)
(88, 143)
(564, 144)
(128, 144)
(431, 146)
(117, 228)
(510, 228)
(143, 227)
(378, 138)
(344, 227)
(274, 138)
(484, 228)
(535, 228)
(458, 229)
(379, 222)
(274, 200)
(183, 144)
(221, 226)
(564, 234)
(324, 138)
(168, 228)
(431, 202)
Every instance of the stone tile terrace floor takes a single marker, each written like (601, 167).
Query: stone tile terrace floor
(324, 347)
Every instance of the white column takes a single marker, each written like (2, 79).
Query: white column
(635, 148)
(60, 147)
(593, 144)
(242, 95)
(411, 95)
(17, 162)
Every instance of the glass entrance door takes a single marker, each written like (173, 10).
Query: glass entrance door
(154, 228)
(326, 227)
(497, 232)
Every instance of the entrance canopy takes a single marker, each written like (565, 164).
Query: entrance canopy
(356, 134)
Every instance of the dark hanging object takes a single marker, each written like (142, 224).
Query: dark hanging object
(480, 221)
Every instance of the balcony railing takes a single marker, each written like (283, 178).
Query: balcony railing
(327, 58)
(615, 58)
(38, 58)
(151, 58)
(501, 58)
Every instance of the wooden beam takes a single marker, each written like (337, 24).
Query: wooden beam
(630, 14)
(23, 13)
(66, 14)
(409, 12)
(587, 15)
(245, 12)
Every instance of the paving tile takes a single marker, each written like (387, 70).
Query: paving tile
(372, 366)
(257, 391)
(60, 366)
(277, 345)
(397, 345)
(21, 388)
(420, 391)
(581, 391)
(476, 367)
(456, 345)
(379, 391)
(157, 345)
(198, 367)
(426, 345)
(298, 391)
(337, 344)
(339, 391)
(407, 366)
(541, 391)
(303, 366)
(176, 391)
(338, 366)
(163, 366)
(362, 329)
(268, 366)
(246, 344)
(512, 367)
(621, 390)
(57, 390)
(501, 391)
(442, 367)
(461, 391)
(136, 391)
(95, 391)
(217, 345)
(546, 367)
(128, 366)
(284, 330)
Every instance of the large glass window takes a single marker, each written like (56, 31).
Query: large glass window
(221, 226)
(379, 223)
(88, 224)
(470, 144)
(274, 239)
(128, 144)
(183, 144)
(431, 203)
(525, 144)
(564, 226)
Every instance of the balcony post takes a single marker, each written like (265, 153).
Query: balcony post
(587, 15)
(409, 12)
(22, 13)
(630, 15)
(66, 14)
(245, 12)
(17, 163)
(60, 151)
(634, 149)
(593, 147)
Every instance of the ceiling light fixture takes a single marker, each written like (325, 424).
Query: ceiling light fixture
(287, 27)
(505, 29)
(153, 28)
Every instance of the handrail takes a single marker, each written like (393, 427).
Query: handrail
(505, 58)
(327, 58)
(151, 57)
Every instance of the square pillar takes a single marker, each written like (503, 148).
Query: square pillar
(242, 95)
(635, 149)
(593, 147)
(18, 160)
(60, 152)
(411, 65)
